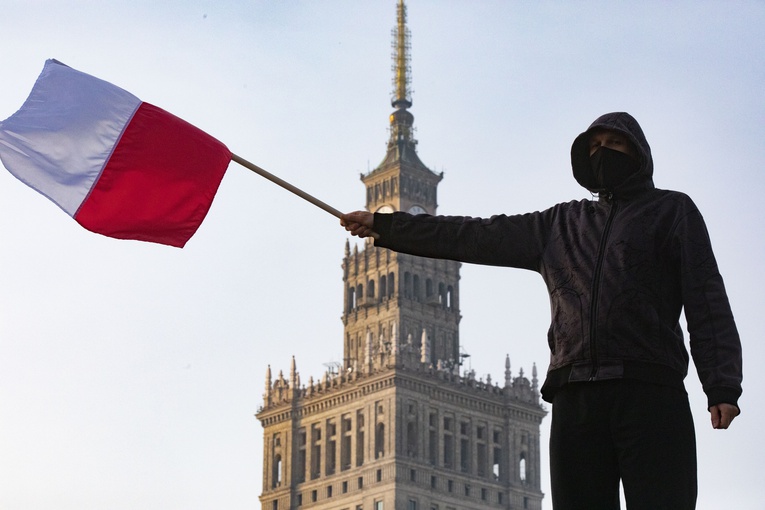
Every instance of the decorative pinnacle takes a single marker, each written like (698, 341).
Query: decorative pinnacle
(401, 69)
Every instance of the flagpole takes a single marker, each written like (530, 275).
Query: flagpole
(284, 184)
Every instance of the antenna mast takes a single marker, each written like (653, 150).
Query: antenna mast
(402, 71)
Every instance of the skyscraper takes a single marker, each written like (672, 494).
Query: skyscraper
(400, 424)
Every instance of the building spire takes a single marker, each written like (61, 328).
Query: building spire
(401, 145)
(401, 70)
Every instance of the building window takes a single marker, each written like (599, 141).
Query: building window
(359, 438)
(331, 450)
(314, 496)
(433, 438)
(448, 450)
(411, 439)
(378, 475)
(412, 475)
(481, 458)
(345, 487)
(329, 491)
(433, 481)
(484, 494)
(361, 482)
(380, 440)
(275, 505)
(464, 455)
(450, 486)
(277, 479)
(378, 505)
(412, 504)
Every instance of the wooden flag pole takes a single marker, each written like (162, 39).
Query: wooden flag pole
(284, 184)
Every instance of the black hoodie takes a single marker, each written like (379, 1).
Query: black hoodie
(618, 270)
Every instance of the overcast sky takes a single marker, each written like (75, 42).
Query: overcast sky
(130, 372)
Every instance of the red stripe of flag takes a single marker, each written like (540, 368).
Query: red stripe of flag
(158, 183)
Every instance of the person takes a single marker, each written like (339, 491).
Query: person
(619, 270)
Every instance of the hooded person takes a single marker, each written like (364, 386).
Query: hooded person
(619, 271)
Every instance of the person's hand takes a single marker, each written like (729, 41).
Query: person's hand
(359, 223)
(722, 415)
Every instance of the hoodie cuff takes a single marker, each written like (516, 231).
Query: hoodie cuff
(723, 396)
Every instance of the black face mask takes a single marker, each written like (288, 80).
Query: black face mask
(610, 168)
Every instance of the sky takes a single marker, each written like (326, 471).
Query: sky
(130, 373)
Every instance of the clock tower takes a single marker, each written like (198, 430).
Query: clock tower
(398, 424)
(393, 299)
(401, 182)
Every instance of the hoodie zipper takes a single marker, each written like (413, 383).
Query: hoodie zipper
(595, 294)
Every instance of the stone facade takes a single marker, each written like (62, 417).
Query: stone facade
(402, 433)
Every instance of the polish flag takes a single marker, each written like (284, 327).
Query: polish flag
(119, 166)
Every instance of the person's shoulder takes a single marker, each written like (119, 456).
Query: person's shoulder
(670, 196)
(573, 205)
(675, 203)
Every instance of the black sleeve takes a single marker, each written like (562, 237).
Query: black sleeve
(514, 241)
(714, 339)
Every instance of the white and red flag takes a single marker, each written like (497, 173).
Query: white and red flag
(119, 166)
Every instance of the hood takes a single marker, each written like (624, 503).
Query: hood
(627, 125)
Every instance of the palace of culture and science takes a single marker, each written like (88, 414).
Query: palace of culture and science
(399, 426)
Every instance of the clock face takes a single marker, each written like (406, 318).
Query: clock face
(386, 209)
(416, 209)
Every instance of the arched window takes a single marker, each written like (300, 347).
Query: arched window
(351, 298)
(522, 468)
(371, 290)
(416, 288)
(407, 285)
(449, 297)
(428, 287)
(391, 284)
(442, 295)
(359, 294)
(383, 287)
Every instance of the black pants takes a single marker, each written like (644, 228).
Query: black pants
(641, 434)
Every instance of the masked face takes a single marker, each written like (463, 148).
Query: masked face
(611, 168)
